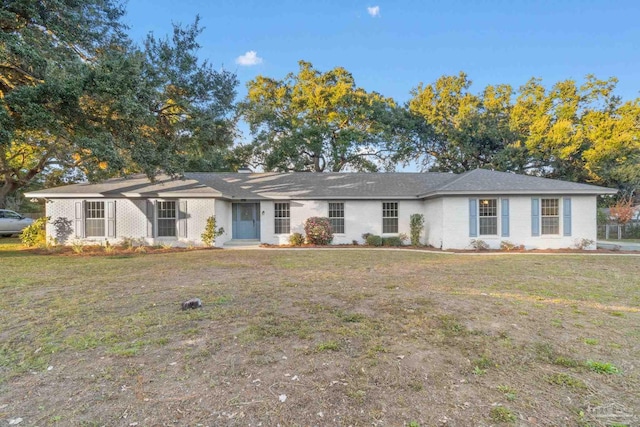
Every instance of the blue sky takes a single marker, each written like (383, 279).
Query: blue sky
(392, 46)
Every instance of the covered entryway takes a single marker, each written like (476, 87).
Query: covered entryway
(246, 221)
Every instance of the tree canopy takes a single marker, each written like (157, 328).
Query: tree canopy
(77, 96)
(315, 121)
(577, 133)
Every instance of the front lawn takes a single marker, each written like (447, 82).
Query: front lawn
(338, 337)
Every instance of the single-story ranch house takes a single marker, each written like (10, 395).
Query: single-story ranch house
(268, 207)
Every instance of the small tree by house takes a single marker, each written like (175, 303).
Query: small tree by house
(416, 224)
(623, 210)
(211, 232)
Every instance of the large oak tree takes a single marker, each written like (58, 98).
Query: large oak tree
(317, 121)
(574, 132)
(76, 96)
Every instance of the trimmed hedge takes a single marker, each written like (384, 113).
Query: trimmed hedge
(373, 240)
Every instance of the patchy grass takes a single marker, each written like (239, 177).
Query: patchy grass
(353, 337)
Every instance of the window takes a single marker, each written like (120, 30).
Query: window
(488, 216)
(94, 219)
(390, 217)
(282, 218)
(166, 218)
(336, 217)
(550, 216)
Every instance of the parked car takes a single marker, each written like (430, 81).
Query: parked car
(12, 222)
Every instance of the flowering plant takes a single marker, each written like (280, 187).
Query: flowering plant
(318, 230)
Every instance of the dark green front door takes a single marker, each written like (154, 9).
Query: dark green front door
(246, 220)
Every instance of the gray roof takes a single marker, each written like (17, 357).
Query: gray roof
(131, 186)
(483, 181)
(304, 185)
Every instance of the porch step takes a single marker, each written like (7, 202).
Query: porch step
(242, 243)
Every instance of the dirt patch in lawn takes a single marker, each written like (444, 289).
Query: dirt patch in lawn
(319, 338)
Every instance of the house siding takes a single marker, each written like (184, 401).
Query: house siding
(583, 223)
(360, 216)
(432, 234)
(131, 220)
(446, 220)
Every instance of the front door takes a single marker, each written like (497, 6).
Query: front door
(246, 220)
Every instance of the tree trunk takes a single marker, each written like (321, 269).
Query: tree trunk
(7, 188)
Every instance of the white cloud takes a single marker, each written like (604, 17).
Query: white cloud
(374, 11)
(248, 59)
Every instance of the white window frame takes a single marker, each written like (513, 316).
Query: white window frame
(89, 206)
(339, 220)
(176, 207)
(282, 218)
(545, 215)
(485, 208)
(388, 209)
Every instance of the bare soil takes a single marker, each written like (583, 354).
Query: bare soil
(320, 338)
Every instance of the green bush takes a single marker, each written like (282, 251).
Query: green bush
(318, 230)
(35, 234)
(416, 224)
(296, 239)
(391, 241)
(373, 240)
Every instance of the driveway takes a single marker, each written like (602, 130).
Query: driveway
(619, 244)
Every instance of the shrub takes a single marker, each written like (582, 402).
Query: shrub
(296, 239)
(127, 243)
(506, 245)
(211, 232)
(35, 234)
(391, 241)
(108, 247)
(583, 244)
(373, 240)
(77, 246)
(403, 237)
(416, 224)
(479, 245)
(318, 230)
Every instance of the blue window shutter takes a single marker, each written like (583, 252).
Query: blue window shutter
(473, 217)
(535, 217)
(566, 216)
(111, 219)
(505, 217)
(151, 210)
(79, 217)
(182, 218)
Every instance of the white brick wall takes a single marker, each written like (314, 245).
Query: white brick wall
(223, 219)
(131, 220)
(456, 223)
(360, 216)
(446, 221)
(433, 222)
